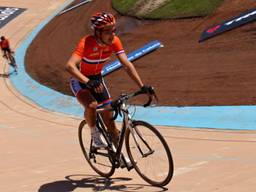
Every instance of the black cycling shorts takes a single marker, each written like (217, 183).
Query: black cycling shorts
(103, 98)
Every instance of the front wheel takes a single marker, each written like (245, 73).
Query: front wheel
(99, 160)
(149, 153)
(12, 59)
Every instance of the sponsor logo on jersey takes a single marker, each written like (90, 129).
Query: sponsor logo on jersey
(94, 54)
(107, 50)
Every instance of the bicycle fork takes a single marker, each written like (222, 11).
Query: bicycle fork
(135, 132)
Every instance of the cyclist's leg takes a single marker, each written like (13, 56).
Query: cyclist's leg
(86, 99)
(4, 53)
(90, 104)
(114, 133)
(8, 54)
(104, 100)
(111, 126)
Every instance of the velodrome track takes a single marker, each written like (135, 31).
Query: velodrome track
(40, 151)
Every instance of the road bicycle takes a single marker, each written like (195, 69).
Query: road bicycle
(146, 147)
(10, 58)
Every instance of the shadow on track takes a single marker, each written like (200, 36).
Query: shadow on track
(96, 183)
(7, 75)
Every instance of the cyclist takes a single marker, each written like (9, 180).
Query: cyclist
(5, 47)
(85, 65)
(6, 50)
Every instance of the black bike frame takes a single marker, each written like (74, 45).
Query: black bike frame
(117, 154)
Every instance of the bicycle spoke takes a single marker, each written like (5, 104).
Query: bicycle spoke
(98, 159)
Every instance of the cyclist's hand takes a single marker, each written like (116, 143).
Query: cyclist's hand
(96, 85)
(148, 90)
(93, 84)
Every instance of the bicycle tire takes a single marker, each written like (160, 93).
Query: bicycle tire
(149, 133)
(103, 165)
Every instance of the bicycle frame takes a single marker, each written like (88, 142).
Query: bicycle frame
(126, 124)
(136, 136)
(115, 155)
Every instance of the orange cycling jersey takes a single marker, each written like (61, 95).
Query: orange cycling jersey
(95, 56)
(4, 44)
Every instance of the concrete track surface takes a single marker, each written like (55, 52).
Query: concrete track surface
(40, 150)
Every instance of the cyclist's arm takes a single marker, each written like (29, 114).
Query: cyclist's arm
(130, 69)
(72, 68)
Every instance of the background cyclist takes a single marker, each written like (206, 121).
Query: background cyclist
(5, 47)
(6, 50)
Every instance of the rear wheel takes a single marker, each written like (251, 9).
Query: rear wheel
(149, 153)
(98, 159)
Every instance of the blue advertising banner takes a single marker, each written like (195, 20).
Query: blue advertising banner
(109, 68)
(9, 13)
(230, 24)
(75, 6)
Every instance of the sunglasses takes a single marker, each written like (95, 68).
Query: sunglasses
(109, 31)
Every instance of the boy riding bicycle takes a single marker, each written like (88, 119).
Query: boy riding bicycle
(85, 65)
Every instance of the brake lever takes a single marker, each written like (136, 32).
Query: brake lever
(155, 96)
(115, 115)
(148, 102)
(115, 109)
(152, 94)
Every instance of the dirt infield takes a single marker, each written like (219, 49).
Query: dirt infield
(220, 71)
